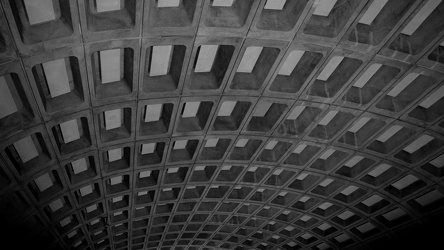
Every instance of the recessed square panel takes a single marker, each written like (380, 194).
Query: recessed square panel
(56, 205)
(108, 5)
(70, 131)
(39, 11)
(148, 148)
(7, 103)
(110, 65)
(26, 149)
(79, 165)
(275, 4)
(43, 182)
(56, 77)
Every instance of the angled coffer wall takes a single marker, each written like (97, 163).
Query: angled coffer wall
(220, 124)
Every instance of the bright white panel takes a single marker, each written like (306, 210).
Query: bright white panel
(389, 133)
(365, 227)
(349, 190)
(117, 199)
(222, 3)
(278, 171)
(433, 98)
(290, 63)
(168, 3)
(26, 149)
(429, 198)
(299, 148)
(148, 148)
(206, 57)
(262, 108)
(110, 65)
(291, 244)
(142, 193)
(56, 205)
(372, 12)
(275, 4)
(172, 170)
(249, 59)
(302, 176)
(153, 112)
(379, 170)
(90, 209)
(418, 143)
(7, 104)
(56, 77)
(252, 169)
(345, 215)
(420, 17)
(405, 182)
(286, 212)
(342, 238)
(369, 73)
(145, 174)
(324, 226)
(115, 154)
(305, 217)
(113, 119)
(77, 243)
(361, 123)
(296, 112)
(70, 131)
(211, 143)
(71, 234)
(393, 215)
(403, 84)
(304, 199)
(353, 161)
(241, 143)
(65, 221)
(226, 108)
(326, 182)
(324, 206)
(180, 144)
(226, 167)
(283, 193)
(39, 11)
(107, 5)
(199, 168)
(116, 180)
(79, 166)
(330, 67)
(270, 145)
(190, 109)
(327, 118)
(43, 182)
(372, 200)
(438, 161)
(160, 60)
(86, 190)
(324, 7)
(327, 154)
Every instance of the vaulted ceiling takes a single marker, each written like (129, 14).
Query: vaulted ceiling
(221, 124)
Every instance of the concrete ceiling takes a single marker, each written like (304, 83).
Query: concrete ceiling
(218, 124)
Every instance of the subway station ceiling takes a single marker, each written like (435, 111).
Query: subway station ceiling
(221, 124)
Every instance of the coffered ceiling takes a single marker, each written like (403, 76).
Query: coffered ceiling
(221, 124)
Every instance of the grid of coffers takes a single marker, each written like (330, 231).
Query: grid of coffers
(341, 149)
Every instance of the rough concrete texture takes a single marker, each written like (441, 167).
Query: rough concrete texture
(221, 124)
